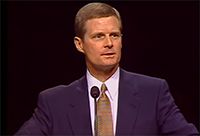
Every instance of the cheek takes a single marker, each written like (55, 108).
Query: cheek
(119, 46)
(91, 51)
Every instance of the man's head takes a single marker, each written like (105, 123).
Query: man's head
(91, 11)
(98, 36)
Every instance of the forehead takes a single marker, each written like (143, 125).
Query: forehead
(101, 24)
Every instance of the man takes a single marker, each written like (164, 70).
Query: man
(139, 105)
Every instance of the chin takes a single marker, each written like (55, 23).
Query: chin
(110, 66)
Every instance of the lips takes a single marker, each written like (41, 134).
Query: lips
(107, 53)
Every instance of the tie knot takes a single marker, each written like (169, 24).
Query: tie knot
(103, 88)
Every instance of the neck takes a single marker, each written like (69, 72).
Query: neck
(102, 74)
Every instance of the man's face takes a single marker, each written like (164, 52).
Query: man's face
(102, 43)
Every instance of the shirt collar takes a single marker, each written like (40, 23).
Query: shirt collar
(112, 83)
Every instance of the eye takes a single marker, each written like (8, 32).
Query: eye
(115, 35)
(98, 36)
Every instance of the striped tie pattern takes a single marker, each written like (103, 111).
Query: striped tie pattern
(104, 115)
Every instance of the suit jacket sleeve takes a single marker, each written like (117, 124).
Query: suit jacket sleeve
(39, 123)
(170, 119)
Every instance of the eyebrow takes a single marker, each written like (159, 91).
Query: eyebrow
(114, 32)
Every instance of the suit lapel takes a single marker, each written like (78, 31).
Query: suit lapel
(79, 113)
(128, 104)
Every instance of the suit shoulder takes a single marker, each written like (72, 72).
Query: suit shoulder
(143, 83)
(62, 89)
(140, 76)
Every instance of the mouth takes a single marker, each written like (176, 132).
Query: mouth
(108, 53)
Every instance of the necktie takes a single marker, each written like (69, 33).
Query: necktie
(104, 114)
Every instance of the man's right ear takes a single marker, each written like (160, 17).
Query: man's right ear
(79, 44)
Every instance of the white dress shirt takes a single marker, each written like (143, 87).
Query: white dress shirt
(112, 85)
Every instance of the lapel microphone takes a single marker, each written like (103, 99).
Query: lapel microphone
(94, 92)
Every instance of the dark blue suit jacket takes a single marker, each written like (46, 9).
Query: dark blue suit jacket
(145, 107)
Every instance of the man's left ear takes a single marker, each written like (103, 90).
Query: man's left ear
(79, 44)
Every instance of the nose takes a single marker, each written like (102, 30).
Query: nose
(108, 42)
